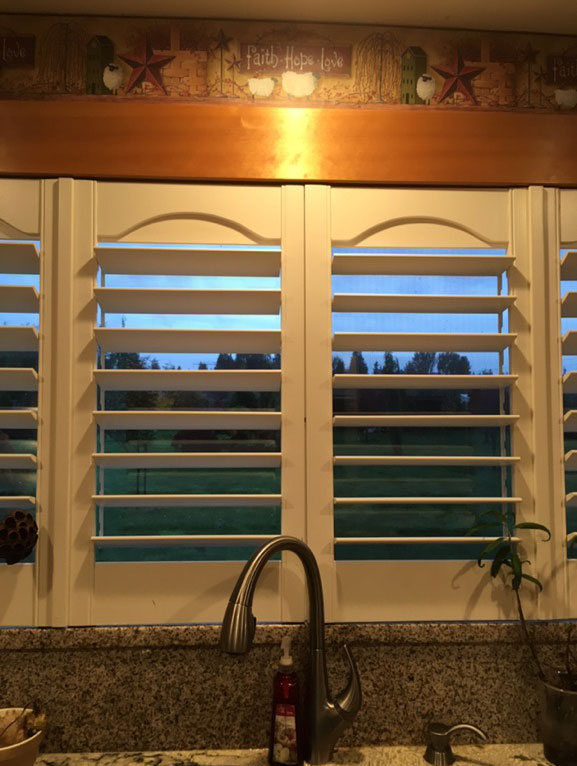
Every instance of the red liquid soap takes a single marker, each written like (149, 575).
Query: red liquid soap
(285, 739)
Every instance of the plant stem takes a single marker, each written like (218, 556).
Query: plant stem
(528, 637)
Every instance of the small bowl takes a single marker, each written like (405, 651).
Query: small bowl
(23, 753)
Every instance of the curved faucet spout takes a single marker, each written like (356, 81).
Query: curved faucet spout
(326, 717)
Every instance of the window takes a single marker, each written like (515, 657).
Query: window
(360, 368)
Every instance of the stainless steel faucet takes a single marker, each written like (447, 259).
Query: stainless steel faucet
(438, 750)
(325, 717)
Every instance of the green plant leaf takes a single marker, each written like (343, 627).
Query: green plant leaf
(500, 558)
(517, 568)
(533, 525)
(488, 548)
(534, 580)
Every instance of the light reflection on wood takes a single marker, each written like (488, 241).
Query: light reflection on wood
(390, 145)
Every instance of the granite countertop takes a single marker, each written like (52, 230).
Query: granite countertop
(481, 755)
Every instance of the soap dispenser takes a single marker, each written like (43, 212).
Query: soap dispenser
(286, 736)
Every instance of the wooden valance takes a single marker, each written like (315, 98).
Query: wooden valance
(106, 138)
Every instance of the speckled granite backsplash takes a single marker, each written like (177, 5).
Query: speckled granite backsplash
(170, 688)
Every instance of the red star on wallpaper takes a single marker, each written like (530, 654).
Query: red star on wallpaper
(146, 66)
(458, 79)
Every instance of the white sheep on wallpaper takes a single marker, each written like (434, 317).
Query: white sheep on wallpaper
(261, 86)
(299, 85)
(112, 77)
(426, 88)
(566, 99)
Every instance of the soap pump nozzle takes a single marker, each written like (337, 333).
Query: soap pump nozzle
(286, 660)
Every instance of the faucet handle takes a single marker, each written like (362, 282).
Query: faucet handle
(350, 699)
(438, 750)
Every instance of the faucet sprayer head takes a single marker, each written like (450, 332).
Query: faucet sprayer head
(238, 627)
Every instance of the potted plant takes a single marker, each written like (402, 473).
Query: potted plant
(21, 732)
(559, 686)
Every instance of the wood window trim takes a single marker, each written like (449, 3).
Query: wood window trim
(390, 145)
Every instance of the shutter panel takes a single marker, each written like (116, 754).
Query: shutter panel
(199, 406)
(19, 379)
(415, 285)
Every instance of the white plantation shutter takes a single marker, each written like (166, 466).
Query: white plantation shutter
(195, 460)
(19, 380)
(387, 451)
(183, 328)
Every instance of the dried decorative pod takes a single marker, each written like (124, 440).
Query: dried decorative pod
(18, 536)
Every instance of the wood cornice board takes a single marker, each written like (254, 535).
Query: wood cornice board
(390, 145)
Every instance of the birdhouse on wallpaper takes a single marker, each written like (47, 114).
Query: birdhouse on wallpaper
(413, 65)
(99, 53)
